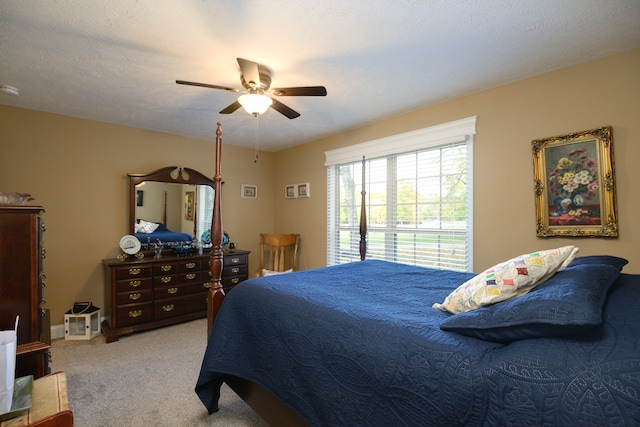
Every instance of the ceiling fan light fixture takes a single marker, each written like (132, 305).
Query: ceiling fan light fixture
(254, 103)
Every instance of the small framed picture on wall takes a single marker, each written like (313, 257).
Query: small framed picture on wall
(303, 190)
(290, 191)
(249, 191)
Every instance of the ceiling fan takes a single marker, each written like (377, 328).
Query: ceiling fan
(256, 80)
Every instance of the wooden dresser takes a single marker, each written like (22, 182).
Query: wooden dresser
(21, 283)
(156, 292)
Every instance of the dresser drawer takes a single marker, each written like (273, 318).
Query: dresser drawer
(229, 282)
(138, 284)
(165, 280)
(134, 314)
(132, 272)
(134, 297)
(165, 268)
(190, 276)
(235, 270)
(191, 265)
(234, 259)
(178, 290)
(179, 306)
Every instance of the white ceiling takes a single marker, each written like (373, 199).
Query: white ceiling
(116, 61)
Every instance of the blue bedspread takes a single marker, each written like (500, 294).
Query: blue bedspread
(165, 236)
(360, 345)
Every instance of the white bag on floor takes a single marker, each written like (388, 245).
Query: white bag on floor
(8, 342)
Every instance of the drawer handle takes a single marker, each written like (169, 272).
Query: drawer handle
(168, 307)
(135, 283)
(134, 271)
(206, 285)
(166, 267)
(172, 290)
(191, 276)
(134, 296)
(191, 265)
(165, 279)
(235, 260)
(235, 280)
(135, 313)
(235, 270)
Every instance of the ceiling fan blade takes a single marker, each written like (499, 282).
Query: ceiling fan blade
(300, 91)
(184, 82)
(283, 109)
(250, 73)
(231, 108)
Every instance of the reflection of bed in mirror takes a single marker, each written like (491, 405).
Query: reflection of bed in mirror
(172, 205)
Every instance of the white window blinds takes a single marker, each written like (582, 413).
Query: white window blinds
(418, 200)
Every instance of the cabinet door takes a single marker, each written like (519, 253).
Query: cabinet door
(20, 271)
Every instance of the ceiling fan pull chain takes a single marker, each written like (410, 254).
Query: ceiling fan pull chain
(256, 131)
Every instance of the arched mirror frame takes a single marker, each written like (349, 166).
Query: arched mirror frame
(169, 174)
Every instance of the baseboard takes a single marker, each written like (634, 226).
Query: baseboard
(57, 332)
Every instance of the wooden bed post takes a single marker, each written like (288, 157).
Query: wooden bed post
(216, 291)
(363, 217)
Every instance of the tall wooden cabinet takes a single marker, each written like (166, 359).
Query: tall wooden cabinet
(21, 282)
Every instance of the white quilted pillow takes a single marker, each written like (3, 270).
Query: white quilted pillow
(147, 227)
(507, 280)
(266, 272)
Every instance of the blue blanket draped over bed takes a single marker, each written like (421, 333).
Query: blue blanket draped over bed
(359, 345)
(163, 234)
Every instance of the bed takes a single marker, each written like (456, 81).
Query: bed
(160, 232)
(361, 344)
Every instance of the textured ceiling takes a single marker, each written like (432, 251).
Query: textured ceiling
(117, 61)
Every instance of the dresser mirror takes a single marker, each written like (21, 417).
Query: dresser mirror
(171, 206)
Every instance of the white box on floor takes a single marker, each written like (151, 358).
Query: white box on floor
(83, 326)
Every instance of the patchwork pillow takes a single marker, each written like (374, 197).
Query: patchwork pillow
(507, 280)
(266, 272)
(568, 303)
(147, 227)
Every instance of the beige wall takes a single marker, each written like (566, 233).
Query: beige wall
(599, 93)
(77, 169)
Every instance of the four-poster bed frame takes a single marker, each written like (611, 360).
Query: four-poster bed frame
(269, 407)
(343, 350)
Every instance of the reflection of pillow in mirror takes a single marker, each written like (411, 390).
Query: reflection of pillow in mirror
(147, 227)
(137, 227)
(266, 272)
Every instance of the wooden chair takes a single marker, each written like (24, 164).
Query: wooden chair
(278, 252)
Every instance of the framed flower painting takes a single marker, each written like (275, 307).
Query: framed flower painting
(574, 184)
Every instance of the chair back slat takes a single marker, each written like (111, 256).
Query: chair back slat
(278, 252)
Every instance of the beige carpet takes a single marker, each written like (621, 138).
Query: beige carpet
(145, 379)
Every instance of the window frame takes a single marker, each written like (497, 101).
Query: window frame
(434, 137)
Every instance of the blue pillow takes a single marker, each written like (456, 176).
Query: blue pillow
(600, 259)
(568, 303)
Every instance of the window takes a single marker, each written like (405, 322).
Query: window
(418, 191)
(204, 196)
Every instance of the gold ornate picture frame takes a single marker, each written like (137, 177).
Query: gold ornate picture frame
(574, 185)
(189, 197)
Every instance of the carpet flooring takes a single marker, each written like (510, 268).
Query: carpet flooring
(145, 379)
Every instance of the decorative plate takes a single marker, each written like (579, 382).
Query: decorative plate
(129, 244)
